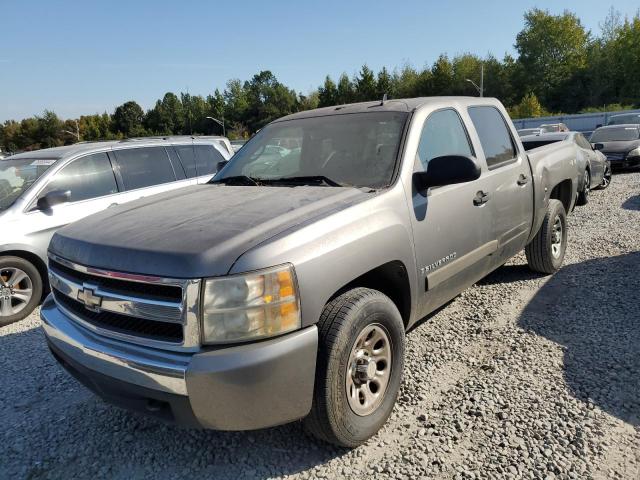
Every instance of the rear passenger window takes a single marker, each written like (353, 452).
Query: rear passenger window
(144, 167)
(188, 158)
(87, 177)
(443, 134)
(494, 136)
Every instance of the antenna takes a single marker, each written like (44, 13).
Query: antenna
(384, 99)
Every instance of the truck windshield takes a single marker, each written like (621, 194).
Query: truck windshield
(620, 134)
(359, 149)
(17, 175)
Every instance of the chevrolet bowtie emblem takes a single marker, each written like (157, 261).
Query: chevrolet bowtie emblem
(91, 301)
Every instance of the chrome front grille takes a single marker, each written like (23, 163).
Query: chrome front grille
(142, 309)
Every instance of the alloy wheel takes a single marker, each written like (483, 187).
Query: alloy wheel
(16, 291)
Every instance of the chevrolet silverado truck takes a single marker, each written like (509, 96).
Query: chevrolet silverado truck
(282, 290)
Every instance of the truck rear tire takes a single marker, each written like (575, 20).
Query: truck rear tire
(545, 252)
(20, 289)
(359, 367)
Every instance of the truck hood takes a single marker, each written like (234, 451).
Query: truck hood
(194, 232)
(620, 147)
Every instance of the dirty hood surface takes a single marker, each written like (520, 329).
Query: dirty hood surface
(196, 231)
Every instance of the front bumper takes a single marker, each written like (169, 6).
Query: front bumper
(244, 387)
(626, 162)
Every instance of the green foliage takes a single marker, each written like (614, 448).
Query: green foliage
(127, 119)
(552, 52)
(528, 107)
(560, 67)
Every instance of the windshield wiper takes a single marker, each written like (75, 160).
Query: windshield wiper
(306, 180)
(237, 180)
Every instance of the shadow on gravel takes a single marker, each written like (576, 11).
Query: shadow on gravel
(592, 309)
(510, 274)
(632, 203)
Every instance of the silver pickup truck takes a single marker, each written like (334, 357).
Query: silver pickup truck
(282, 290)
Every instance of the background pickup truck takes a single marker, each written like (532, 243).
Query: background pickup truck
(283, 289)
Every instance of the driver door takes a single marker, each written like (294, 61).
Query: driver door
(452, 231)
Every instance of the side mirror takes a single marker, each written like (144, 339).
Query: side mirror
(221, 165)
(598, 146)
(446, 170)
(53, 198)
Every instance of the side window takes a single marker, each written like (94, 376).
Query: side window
(144, 167)
(207, 158)
(177, 165)
(188, 159)
(494, 136)
(443, 134)
(87, 177)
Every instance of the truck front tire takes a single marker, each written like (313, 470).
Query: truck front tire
(545, 252)
(20, 289)
(359, 367)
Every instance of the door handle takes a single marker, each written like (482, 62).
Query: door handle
(481, 198)
(522, 179)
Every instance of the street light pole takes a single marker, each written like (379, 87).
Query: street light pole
(221, 123)
(480, 88)
(76, 133)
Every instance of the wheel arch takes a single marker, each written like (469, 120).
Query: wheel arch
(391, 279)
(32, 258)
(563, 191)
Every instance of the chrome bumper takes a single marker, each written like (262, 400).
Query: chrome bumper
(234, 388)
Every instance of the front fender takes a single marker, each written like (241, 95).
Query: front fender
(333, 251)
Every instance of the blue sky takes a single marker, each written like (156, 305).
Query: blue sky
(78, 57)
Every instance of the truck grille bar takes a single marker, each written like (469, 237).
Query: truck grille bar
(151, 311)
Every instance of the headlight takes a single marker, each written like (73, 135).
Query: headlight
(250, 306)
(634, 153)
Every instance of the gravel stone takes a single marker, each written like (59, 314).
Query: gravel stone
(522, 376)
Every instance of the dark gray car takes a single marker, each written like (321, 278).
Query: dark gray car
(593, 166)
(282, 289)
(619, 143)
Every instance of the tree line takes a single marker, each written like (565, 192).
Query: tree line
(560, 67)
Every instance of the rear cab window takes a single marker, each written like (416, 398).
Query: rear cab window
(495, 138)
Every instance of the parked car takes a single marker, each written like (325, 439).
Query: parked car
(624, 119)
(529, 131)
(237, 144)
(593, 167)
(554, 127)
(222, 141)
(619, 143)
(44, 190)
(260, 299)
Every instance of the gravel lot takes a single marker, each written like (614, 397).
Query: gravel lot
(522, 376)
